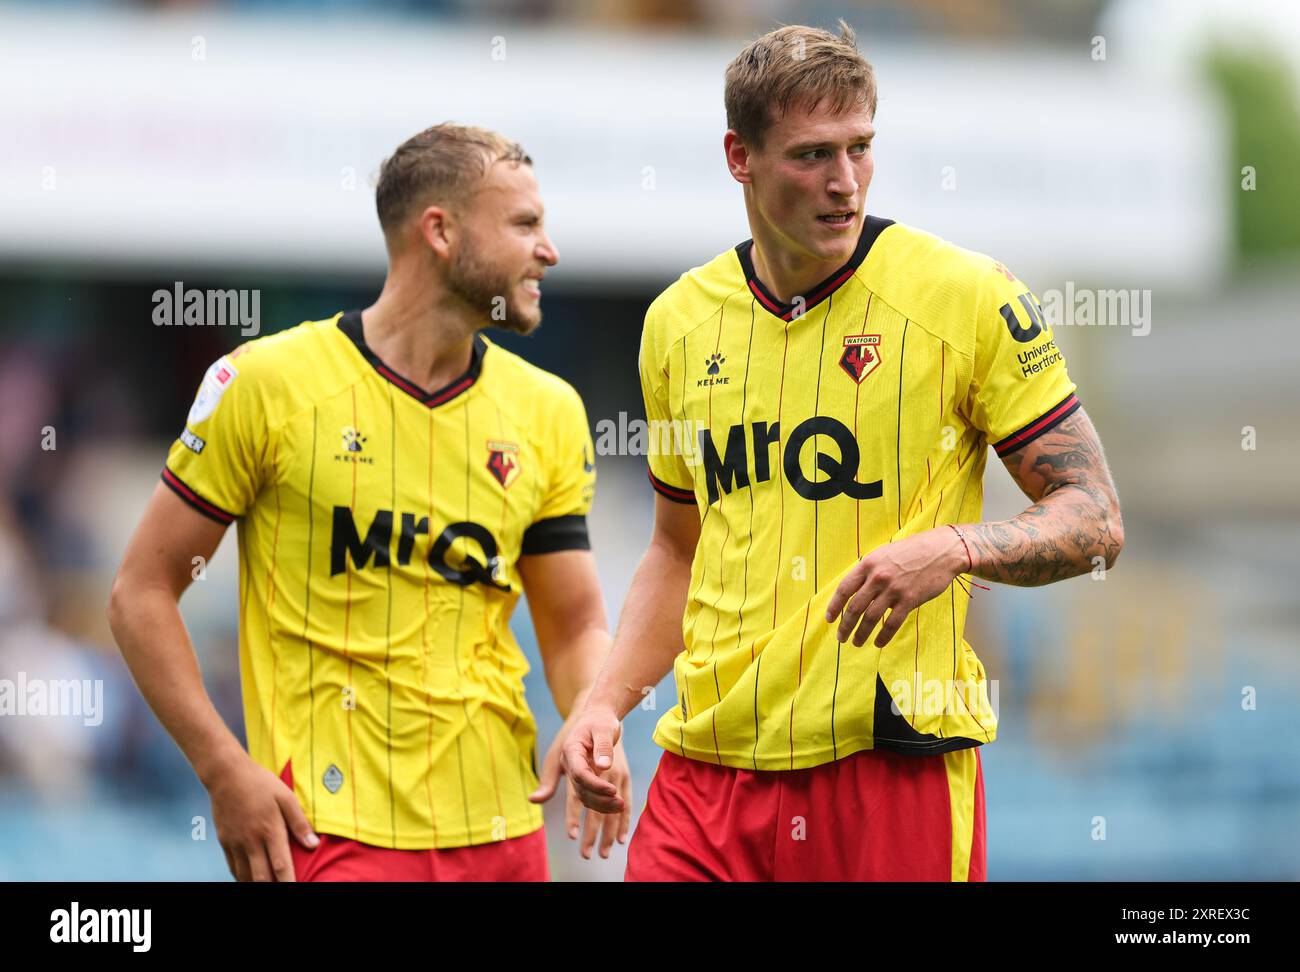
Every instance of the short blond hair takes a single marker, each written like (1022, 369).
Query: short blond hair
(795, 65)
(441, 164)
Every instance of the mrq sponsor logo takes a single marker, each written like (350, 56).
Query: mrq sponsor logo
(77, 697)
(120, 925)
(208, 308)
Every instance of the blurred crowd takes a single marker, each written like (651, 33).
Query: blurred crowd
(995, 19)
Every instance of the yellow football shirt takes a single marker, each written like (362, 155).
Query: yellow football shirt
(380, 528)
(809, 433)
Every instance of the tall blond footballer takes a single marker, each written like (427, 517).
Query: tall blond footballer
(811, 563)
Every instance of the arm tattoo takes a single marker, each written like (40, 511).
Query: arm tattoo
(1074, 519)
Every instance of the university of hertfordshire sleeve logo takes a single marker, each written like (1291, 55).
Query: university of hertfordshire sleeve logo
(861, 355)
(503, 462)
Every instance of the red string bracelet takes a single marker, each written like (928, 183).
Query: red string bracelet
(970, 564)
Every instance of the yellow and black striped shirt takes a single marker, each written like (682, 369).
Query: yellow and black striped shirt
(380, 528)
(808, 434)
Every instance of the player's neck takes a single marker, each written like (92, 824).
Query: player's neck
(423, 339)
(786, 274)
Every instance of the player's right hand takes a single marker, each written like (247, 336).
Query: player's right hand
(588, 752)
(254, 813)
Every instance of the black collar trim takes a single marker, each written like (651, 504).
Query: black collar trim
(872, 227)
(350, 324)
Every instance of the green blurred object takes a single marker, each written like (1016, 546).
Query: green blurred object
(1265, 123)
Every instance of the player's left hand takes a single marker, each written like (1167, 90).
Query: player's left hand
(608, 826)
(898, 577)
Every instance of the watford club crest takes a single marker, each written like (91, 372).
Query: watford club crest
(503, 462)
(861, 355)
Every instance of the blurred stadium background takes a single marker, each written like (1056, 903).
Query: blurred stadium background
(1144, 146)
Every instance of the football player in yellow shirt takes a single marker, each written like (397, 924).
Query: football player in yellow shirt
(398, 480)
(825, 395)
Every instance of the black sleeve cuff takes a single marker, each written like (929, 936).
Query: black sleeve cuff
(194, 500)
(1044, 423)
(557, 533)
(674, 493)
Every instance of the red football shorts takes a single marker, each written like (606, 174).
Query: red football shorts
(343, 859)
(871, 816)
